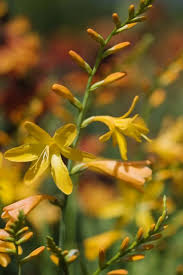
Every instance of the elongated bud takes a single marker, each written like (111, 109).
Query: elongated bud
(24, 229)
(101, 257)
(155, 237)
(152, 227)
(66, 93)
(136, 257)
(147, 247)
(126, 27)
(142, 5)
(139, 19)
(159, 222)
(25, 238)
(131, 12)
(33, 254)
(118, 272)
(116, 20)
(116, 48)
(108, 80)
(80, 61)
(140, 234)
(96, 36)
(124, 244)
(7, 250)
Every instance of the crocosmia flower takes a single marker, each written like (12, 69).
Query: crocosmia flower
(119, 127)
(45, 151)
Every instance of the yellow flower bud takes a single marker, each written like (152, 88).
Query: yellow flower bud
(116, 48)
(80, 61)
(25, 238)
(116, 20)
(96, 36)
(34, 254)
(63, 91)
(131, 11)
(140, 233)
(124, 244)
(136, 257)
(108, 80)
(118, 272)
(126, 27)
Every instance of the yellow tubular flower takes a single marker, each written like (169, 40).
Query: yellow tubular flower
(119, 127)
(46, 151)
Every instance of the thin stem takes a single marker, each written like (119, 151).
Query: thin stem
(19, 269)
(18, 261)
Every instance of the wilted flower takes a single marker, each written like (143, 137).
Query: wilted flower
(45, 150)
(134, 173)
(12, 211)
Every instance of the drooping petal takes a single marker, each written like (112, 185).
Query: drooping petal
(76, 155)
(106, 136)
(38, 167)
(24, 153)
(122, 144)
(39, 134)
(60, 173)
(65, 135)
(4, 259)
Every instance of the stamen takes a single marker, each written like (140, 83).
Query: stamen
(136, 98)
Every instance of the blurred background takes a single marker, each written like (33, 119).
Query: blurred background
(35, 37)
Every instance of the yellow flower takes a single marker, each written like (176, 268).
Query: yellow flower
(119, 127)
(46, 151)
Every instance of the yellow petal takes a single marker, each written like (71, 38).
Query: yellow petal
(60, 173)
(106, 136)
(76, 155)
(122, 144)
(4, 260)
(24, 153)
(38, 167)
(65, 135)
(39, 134)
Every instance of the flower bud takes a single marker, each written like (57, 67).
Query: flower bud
(118, 272)
(80, 61)
(126, 27)
(124, 244)
(136, 257)
(33, 254)
(140, 234)
(131, 12)
(116, 20)
(96, 36)
(139, 19)
(108, 80)
(66, 93)
(116, 48)
(25, 238)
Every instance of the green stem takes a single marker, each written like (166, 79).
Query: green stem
(108, 263)
(19, 269)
